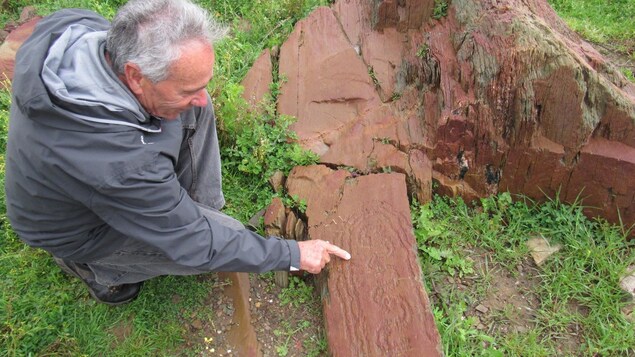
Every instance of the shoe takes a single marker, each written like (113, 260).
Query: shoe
(110, 295)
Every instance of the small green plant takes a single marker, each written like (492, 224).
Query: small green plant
(384, 140)
(373, 76)
(294, 202)
(423, 50)
(315, 346)
(628, 73)
(434, 241)
(440, 9)
(297, 293)
(289, 332)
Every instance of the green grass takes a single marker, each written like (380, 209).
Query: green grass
(577, 289)
(43, 311)
(607, 23)
(599, 21)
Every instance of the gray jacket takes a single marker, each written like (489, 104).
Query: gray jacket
(80, 175)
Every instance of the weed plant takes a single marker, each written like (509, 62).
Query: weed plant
(578, 289)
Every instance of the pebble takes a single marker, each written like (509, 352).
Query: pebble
(481, 308)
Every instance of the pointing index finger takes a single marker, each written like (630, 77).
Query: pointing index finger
(335, 250)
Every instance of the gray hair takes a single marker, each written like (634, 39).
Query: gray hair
(151, 33)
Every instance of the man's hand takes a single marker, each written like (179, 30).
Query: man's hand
(314, 254)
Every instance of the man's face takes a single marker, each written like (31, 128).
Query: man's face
(185, 86)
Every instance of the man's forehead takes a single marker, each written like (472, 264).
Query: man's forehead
(194, 65)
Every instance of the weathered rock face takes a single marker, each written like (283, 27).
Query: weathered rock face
(374, 304)
(499, 95)
(257, 81)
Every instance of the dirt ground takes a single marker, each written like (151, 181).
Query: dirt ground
(294, 329)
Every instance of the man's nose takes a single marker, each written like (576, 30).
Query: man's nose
(200, 98)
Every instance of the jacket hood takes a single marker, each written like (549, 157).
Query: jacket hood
(63, 66)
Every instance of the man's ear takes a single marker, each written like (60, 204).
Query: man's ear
(134, 78)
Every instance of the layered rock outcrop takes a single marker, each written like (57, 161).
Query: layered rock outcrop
(495, 95)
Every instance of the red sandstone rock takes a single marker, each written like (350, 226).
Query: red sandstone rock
(274, 219)
(503, 88)
(10, 46)
(374, 304)
(304, 186)
(327, 83)
(258, 79)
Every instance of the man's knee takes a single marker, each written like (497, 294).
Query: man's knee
(221, 218)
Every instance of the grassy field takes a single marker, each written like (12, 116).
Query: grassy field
(575, 298)
(599, 21)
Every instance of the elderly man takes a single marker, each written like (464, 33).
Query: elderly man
(113, 164)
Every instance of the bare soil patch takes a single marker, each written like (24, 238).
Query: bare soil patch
(293, 329)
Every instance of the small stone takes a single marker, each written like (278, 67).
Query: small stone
(300, 230)
(628, 281)
(277, 181)
(258, 304)
(481, 308)
(28, 13)
(197, 324)
(289, 229)
(541, 249)
(480, 327)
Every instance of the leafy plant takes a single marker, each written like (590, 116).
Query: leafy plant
(297, 293)
(294, 202)
(628, 73)
(373, 76)
(440, 9)
(289, 332)
(423, 50)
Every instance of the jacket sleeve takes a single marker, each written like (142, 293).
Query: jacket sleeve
(147, 203)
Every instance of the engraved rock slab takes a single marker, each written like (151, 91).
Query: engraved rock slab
(375, 304)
